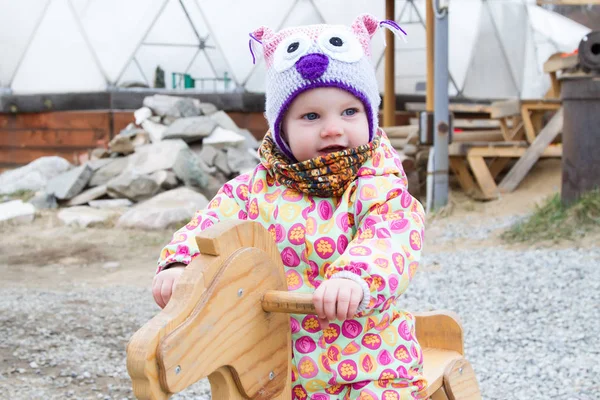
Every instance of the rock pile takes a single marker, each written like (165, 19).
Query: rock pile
(177, 149)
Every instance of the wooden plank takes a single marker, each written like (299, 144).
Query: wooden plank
(17, 157)
(57, 120)
(516, 133)
(53, 138)
(542, 104)
(497, 165)
(404, 131)
(478, 136)
(462, 148)
(484, 177)
(505, 108)
(557, 62)
(460, 382)
(463, 175)
(513, 152)
(527, 124)
(463, 123)
(435, 363)
(533, 153)
(439, 394)
(556, 85)
(120, 120)
(466, 108)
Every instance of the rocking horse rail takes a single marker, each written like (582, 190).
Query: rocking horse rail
(438, 329)
(286, 302)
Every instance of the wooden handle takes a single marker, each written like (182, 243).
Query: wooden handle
(285, 302)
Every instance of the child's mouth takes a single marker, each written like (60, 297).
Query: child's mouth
(332, 149)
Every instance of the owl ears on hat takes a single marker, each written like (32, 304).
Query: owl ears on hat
(364, 26)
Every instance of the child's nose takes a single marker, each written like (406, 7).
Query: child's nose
(332, 129)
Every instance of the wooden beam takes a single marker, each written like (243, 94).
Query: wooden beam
(558, 62)
(505, 108)
(533, 153)
(430, 31)
(484, 177)
(466, 108)
(389, 99)
(457, 164)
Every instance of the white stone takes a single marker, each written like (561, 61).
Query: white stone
(142, 114)
(223, 138)
(132, 185)
(17, 212)
(43, 200)
(164, 210)
(208, 108)
(169, 155)
(250, 139)
(33, 176)
(87, 196)
(240, 159)
(173, 106)
(69, 184)
(111, 203)
(224, 121)
(206, 154)
(121, 144)
(95, 165)
(84, 216)
(114, 168)
(190, 129)
(222, 163)
(157, 156)
(165, 179)
(154, 129)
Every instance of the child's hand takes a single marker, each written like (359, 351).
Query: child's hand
(163, 283)
(337, 298)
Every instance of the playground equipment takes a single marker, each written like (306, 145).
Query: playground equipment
(227, 320)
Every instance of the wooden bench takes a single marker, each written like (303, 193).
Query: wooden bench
(522, 118)
(470, 157)
(227, 321)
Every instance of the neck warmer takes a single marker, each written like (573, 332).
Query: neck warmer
(323, 176)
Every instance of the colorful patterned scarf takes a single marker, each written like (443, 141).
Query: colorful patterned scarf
(323, 176)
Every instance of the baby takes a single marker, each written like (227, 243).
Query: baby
(332, 192)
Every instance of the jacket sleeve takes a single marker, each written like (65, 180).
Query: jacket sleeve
(229, 202)
(384, 254)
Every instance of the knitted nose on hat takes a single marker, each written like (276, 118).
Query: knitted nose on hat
(312, 66)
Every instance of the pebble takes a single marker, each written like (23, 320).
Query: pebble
(530, 319)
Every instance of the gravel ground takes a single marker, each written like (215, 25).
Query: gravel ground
(530, 327)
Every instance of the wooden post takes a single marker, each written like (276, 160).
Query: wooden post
(429, 27)
(389, 97)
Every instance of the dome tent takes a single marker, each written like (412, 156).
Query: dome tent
(497, 47)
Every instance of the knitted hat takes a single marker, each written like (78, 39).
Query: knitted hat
(308, 57)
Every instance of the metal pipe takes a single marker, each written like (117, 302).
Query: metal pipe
(441, 114)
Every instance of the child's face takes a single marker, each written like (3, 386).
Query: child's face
(324, 120)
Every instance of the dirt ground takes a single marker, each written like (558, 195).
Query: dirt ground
(47, 257)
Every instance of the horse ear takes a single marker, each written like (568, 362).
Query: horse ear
(260, 33)
(366, 23)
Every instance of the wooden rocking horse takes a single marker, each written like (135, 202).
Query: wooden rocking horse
(227, 320)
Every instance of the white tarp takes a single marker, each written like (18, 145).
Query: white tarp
(497, 47)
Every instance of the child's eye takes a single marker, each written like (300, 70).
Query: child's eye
(350, 111)
(310, 116)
